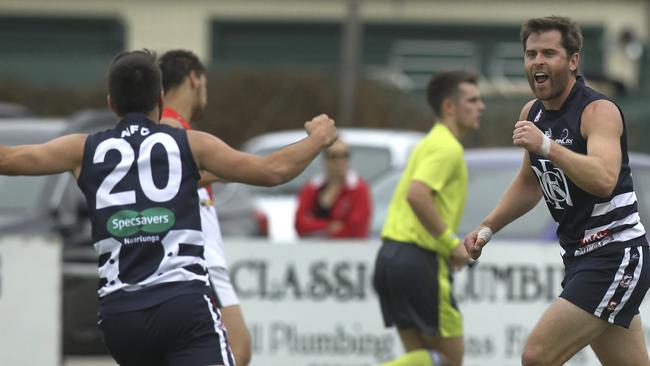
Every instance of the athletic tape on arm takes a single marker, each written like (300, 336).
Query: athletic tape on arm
(546, 146)
(485, 233)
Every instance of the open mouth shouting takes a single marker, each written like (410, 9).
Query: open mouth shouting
(541, 78)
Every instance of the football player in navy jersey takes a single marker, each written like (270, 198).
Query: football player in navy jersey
(140, 182)
(576, 158)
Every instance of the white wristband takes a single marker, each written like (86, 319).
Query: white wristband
(546, 146)
(485, 234)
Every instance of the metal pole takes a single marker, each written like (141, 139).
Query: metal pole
(644, 62)
(350, 61)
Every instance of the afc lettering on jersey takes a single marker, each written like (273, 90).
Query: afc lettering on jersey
(131, 129)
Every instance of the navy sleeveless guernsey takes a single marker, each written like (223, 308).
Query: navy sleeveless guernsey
(140, 181)
(586, 222)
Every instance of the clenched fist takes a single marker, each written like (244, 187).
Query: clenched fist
(528, 136)
(322, 127)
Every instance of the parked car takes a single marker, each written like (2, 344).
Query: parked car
(45, 204)
(55, 205)
(374, 153)
(490, 173)
(237, 211)
(13, 110)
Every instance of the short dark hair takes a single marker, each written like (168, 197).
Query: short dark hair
(134, 82)
(445, 85)
(176, 65)
(570, 30)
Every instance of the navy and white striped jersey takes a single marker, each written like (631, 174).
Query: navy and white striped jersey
(586, 222)
(140, 181)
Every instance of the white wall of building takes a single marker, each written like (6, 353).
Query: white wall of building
(30, 301)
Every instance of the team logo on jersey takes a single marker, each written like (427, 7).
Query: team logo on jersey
(554, 184)
(564, 140)
(538, 116)
(129, 222)
(206, 202)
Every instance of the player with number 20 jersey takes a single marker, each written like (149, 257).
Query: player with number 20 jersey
(137, 179)
(144, 233)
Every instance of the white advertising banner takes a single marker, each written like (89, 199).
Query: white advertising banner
(30, 301)
(312, 304)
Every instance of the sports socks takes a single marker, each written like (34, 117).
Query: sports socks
(421, 357)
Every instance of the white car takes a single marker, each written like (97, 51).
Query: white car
(374, 152)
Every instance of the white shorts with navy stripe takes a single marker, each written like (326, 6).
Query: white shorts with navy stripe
(609, 283)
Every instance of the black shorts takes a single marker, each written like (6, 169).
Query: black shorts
(414, 286)
(609, 283)
(184, 331)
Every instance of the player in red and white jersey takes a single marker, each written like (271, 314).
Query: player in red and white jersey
(185, 88)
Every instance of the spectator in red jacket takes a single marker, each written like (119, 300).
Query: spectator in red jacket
(337, 204)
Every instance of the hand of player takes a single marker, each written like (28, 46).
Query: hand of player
(322, 127)
(458, 257)
(473, 244)
(528, 136)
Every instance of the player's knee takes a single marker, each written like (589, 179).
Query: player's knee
(532, 356)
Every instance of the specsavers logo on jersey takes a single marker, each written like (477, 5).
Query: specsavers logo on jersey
(129, 222)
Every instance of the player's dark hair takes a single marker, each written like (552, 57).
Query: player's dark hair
(445, 85)
(134, 82)
(176, 65)
(570, 31)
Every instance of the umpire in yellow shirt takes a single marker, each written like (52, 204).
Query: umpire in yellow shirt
(412, 272)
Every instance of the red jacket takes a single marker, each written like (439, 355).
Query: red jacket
(351, 207)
